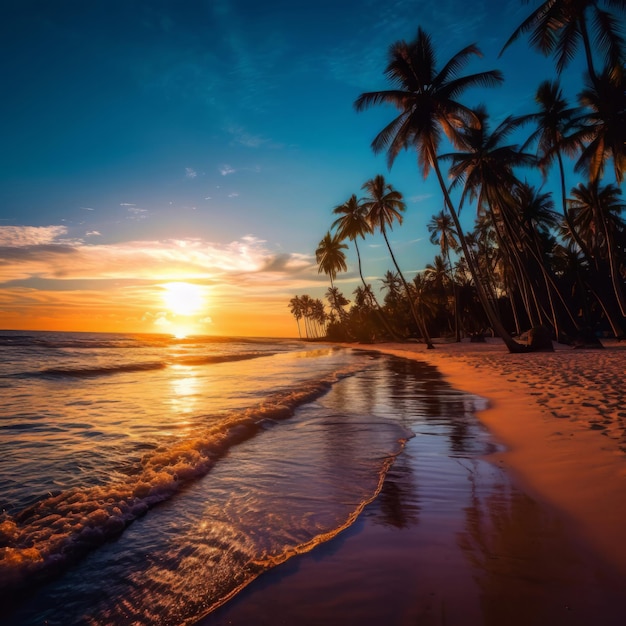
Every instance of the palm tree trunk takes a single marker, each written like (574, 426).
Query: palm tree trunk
(494, 320)
(418, 319)
(612, 261)
(457, 334)
(380, 312)
(588, 55)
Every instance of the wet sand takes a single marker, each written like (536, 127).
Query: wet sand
(529, 534)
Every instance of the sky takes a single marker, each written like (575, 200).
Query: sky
(171, 165)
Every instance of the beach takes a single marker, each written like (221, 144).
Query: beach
(536, 536)
(234, 482)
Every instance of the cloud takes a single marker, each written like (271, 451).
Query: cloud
(86, 208)
(127, 204)
(249, 140)
(225, 170)
(21, 236)
(238, 262)
(190, 173)
(137, 213)
(420, 198)
(93, 233)
(233, 194)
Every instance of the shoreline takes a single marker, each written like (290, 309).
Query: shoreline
(561, 417)
(529, 534)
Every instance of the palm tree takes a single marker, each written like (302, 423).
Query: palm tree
(295, 306)
(426, 99)
(306, 302)
(392, 283)
(605, 127)
(384, 206)
(425, 296)
(442, 232)
(558, 26)
(330, 257)
(337, 301)
(353, 224)
(553, 121)
(537, 222)
(319, 315)
(596, 209)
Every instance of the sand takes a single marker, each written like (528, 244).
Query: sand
(533, 534)
(562, 416)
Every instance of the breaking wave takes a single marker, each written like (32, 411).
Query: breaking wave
(45, 538)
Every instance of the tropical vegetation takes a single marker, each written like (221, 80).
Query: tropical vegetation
(533, 259)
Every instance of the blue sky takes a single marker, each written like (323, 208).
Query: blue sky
(207, 142)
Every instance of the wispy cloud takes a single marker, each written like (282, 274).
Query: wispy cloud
(420, 198)
(93, 233)
(225, 170)
(127, 204)
(28, 253)
(190, 172)
(233, 194)
(135, 213)
(244, 138)
(22, 236)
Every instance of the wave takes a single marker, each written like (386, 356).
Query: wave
(89, 341)
(47, 537)
(146, 366)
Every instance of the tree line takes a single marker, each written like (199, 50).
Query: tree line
(534, 259)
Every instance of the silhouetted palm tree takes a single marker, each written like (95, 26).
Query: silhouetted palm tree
(330, 256)
(442, 232)
(318, 314)
(353, 224)
(596, 212)
(384, 206)
(558, 26)
(337, 301)
(392, 284)
(428, 105)
(554, 124)
(306, 302)
(295, 306)
(605, 127)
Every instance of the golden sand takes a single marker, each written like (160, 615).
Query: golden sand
(562, 417)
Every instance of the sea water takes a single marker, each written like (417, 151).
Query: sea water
(146, 479)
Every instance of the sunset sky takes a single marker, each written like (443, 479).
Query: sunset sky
(151, 142)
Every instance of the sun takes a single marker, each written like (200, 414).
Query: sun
(183, 298)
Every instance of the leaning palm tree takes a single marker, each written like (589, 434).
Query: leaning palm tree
(442, 232)
(306, 302)
(597, 209)
(428, 105)
(295, 306)
(558, 26)
(330, 256)
(384, 206)
(352, 224)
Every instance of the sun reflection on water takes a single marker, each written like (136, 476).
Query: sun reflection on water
(185, 390)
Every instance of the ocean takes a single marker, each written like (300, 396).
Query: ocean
(146, 479)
